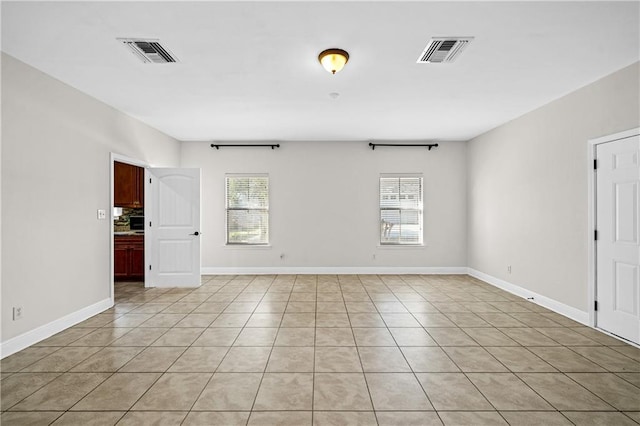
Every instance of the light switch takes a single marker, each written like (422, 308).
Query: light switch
(102, 214)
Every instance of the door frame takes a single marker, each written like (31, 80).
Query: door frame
(592, 219)
(134, 162)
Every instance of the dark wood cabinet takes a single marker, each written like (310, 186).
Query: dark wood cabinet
(128, 185)
(128, 258)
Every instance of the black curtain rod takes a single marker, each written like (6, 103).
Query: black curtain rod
(273, 146)
(428, 145)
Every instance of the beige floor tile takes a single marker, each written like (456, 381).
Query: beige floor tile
(630, 351)
(468, 418)
(366, 320)
(344, 418)
(391, 307)
(34, 418)
(528, 337)
(140, 337)
(153, 359)
(65, 337)
(302, 297)
(173, 391)
(541, 418)
(490, 337)
(567, 336)
(611, 388)
(210, 308)
(83, 418)
(452, 392)
(331, 307)
(501, 320)
(163, 320)
(199, 359)
(108, 359)
(118, 393)
(635, 415)
(296, 319)
(592, 418)
(291, 360)
(197, 320)
(62, 360)
(383, 360)
(130, 320)
(565, 360)
(271, 306)
(21, 385)
(396, 391)
(181, 308)
(150, 308)
(450, 337)
(295, 337)
(101, 337)
(25, 357)
(519, 359)
(264, 320)
(466, 319)
(332, 320)
(334, 337)
(231, 320)
(420, 307)
(280, 418)
(412, 337)
(285, 391)
(337, 360)
(429, 360)
(360, 306)
(408, 418)
(373, 337)
(153, 418)
(474, 359)
(633, 378)
(218, 337)
(299, 307)
(341, 392)
(608, 358)
(505, 391)
(245, 360)
(62, 393)
(229, 392)
(240, 307)
(216, 418)
(394, 320)
(256, 337)
(179, 337)
(563, 393)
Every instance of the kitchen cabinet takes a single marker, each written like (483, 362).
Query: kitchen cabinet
(128, 185)
(128, 258)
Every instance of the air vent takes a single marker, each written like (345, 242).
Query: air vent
(148, 50)
(443, 49)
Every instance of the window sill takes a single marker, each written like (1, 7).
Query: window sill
(248, 246)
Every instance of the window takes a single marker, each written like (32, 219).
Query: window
(401, 209)
(247, 204)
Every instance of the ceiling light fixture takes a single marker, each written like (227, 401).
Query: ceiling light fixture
(333, 60)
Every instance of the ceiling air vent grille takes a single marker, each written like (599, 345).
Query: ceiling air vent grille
(443, 49)
(148, 50)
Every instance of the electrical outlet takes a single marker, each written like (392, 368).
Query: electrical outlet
(509, 269)
(102, 214)
(17, 313)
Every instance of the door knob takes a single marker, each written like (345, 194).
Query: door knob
(195, 233)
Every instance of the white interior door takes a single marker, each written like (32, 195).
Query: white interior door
(172, 227)
(617, 246)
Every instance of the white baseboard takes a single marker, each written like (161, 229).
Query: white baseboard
(558, 307)
(333, 270)
(36, 335)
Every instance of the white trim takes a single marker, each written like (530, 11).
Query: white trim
(566, 310)
(591, 216)
(36, 335)
(333, 270)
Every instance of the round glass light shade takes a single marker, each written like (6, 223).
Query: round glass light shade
(333, 60)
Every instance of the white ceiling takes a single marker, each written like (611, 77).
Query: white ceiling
(249, 71)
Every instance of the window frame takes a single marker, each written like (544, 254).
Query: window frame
(227, 209)
(398, 196)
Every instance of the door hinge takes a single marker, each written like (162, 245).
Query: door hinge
(595, 164)
(595, 234)
(595, 305)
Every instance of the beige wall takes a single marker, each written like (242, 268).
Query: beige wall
(527, 188)
(324, 204)
(56, 144)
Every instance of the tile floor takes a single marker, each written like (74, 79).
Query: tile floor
(324, 350)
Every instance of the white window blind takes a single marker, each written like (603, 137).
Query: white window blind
(401, 209)
(247, 204)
